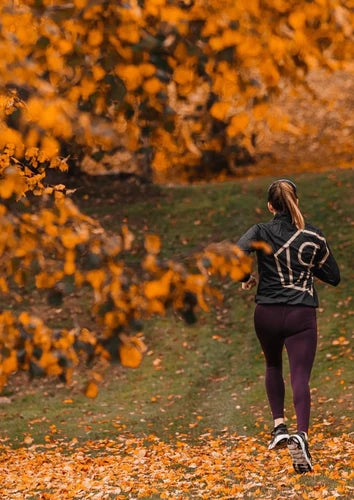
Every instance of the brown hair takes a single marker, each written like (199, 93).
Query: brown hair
(283, 198)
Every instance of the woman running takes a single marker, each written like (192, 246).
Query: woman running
(285, 313)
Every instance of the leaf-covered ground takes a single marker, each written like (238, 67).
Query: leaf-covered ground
(227, 466)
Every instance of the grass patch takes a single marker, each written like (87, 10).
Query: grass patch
(209, 376)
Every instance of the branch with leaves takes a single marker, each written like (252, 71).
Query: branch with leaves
(57, 242)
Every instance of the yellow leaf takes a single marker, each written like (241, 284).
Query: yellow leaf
(297, 19)
(69, 239)
(97, 376)
(139, 344)
(12, 183)
(130, 355)
(98, 72)
(155, 289)
(65, 46)
(219, 110)
(195, 283)
(7, 187)
(249, 48)
(184, 75)
(217, 43)
(269, 73)
(9, 136)
(91, 390)
(152, 244)
(3, 380)
(25, 318)
(88, 87)
(149, 263)
(28, 440)
(147, 69)
(130, 74)
(128, 237)
(238, 124)
(50, 146)
(156, 306)
(96, 278)
(262, 245)
(128, 32)
(160, 162)
(158, 288)
(95, 38)
(259, 111)
(9, 365)
(236, 273)
(3, 285)
(69, 267)
(278, 47)
(52, 230)
(152, 86)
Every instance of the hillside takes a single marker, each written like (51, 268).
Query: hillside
(205, 379)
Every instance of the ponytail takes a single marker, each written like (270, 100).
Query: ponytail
(283, 198)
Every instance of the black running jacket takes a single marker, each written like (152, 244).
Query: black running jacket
(286, 275)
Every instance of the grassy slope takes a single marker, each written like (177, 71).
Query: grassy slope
(211, 374)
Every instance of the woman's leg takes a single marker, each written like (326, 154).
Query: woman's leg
(267, 325)
(301, 348)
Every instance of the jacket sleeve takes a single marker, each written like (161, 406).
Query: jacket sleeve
(326, 268)
(245, 243)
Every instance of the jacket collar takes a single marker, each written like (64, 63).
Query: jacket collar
(285, 216)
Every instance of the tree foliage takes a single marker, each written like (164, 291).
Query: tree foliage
(158, 87)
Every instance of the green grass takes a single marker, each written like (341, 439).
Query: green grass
(211, 375)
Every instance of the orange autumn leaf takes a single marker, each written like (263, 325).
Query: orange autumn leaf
(152, 85)
(152, 244)
(96, 278)
(91, 390)
(9, 364)
(238, 124)
(95, 37)
(128, 237)
(262, 245)
(130, 355)
(219, 110)
(236, 273)
(158, 288)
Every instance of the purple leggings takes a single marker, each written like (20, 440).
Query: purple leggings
(294, 326)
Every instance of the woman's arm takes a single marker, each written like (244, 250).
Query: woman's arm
(326, 268)
(245, 243)
(250, 236)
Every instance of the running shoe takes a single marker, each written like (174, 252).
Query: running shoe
(299, 451)
(280, 436)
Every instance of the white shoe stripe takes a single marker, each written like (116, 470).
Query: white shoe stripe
(298, 453)
(277, 439)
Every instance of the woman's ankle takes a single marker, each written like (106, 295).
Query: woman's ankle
(278, 421)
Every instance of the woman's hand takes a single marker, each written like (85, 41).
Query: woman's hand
(247, 285)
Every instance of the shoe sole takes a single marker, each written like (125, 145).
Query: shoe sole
(279, 442)
(301, 461)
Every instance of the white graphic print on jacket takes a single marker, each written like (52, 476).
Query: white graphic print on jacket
(291, 261)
